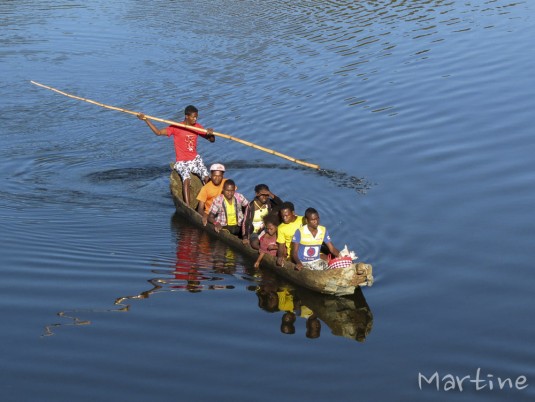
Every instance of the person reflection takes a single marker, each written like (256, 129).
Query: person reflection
(282, 298)
(287, 325)
(195, 252)
(313, 327)
(224, 259)
(349, 317)
(267, 300)
(188, 249)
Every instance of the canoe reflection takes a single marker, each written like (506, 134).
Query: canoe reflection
(200, 264)
(204, 263)
(348, 316)
(199, 259)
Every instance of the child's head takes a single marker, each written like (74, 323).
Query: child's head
(271, 229)
(271, 222)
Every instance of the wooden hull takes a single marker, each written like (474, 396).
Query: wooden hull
(336, 282)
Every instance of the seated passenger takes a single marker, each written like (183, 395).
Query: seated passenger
(290, 223)
(226, 211)
(262, 204)
(268, 238)
(210, 190)
(307, 241)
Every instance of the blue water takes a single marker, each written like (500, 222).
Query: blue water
(420, 115)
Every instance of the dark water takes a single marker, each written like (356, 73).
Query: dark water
(420, 114)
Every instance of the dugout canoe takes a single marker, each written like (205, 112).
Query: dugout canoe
(338, 282)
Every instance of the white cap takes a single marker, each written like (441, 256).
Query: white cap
(217, 166)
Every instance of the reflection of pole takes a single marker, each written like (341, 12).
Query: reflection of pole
(48, 331)
(143, 295)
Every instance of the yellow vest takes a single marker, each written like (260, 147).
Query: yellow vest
(308, 240)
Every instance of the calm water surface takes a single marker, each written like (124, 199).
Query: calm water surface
(420, 114)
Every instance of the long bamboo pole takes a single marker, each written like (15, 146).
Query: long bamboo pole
(174, 123)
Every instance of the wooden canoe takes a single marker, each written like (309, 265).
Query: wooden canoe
(338, 282)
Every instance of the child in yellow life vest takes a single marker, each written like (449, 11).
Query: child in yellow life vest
(307, 241)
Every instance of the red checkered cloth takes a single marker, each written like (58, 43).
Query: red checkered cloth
(339, 262)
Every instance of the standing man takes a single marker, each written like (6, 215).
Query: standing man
(211, 190)
(290, 223)
(307, 241)
(185, 140)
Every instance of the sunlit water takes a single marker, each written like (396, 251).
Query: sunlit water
(420, 114)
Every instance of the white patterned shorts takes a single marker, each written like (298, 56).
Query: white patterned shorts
(196, 165)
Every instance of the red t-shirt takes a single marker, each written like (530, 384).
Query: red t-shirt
(185, 142)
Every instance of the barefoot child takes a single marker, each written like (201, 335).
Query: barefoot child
(268, 238)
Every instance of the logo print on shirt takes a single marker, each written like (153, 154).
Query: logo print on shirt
(311, 251)
(189, 142)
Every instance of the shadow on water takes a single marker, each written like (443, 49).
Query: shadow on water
(204, 263)
(340, 179)
(128, 174)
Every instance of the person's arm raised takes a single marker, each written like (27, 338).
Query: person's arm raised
(154, 129)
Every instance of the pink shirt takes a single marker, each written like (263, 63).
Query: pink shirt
(185, 142)
(265, 241)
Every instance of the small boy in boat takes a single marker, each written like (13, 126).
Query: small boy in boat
(185, 141)
(307, 242)
(268, 238)
(226, 211)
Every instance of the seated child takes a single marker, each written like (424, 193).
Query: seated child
(268, 238)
